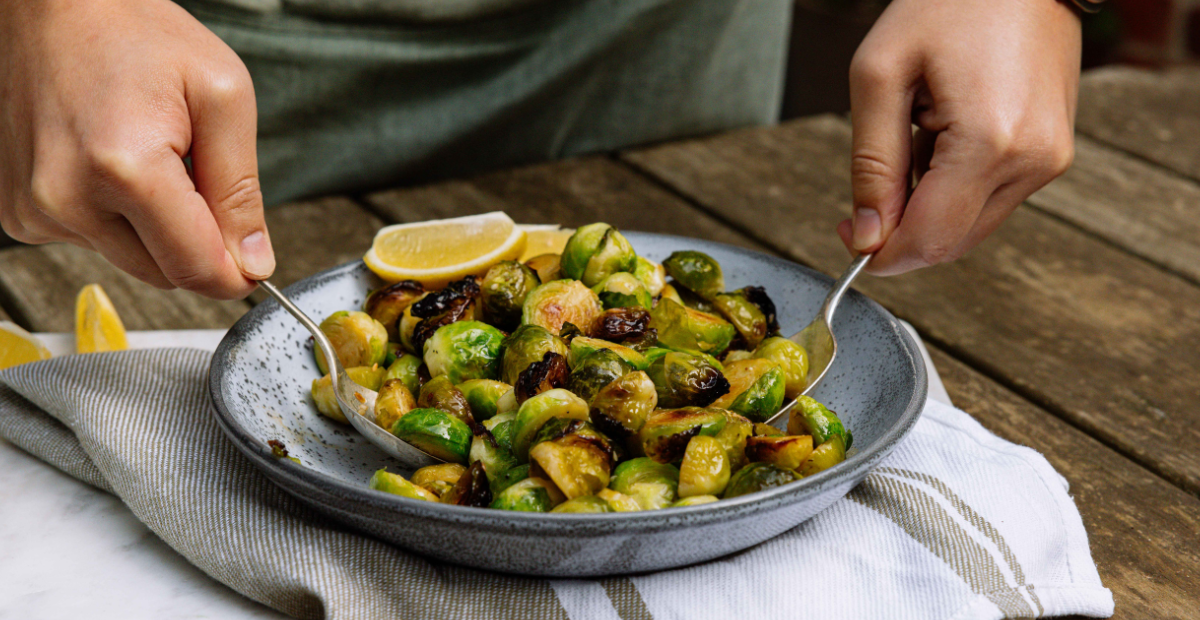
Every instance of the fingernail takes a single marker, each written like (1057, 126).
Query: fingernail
(867, 226)
(258, 260)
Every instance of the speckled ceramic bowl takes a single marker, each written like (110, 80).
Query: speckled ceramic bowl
(264, 367)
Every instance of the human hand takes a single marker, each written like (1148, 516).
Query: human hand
(100, 103)
(991, 87)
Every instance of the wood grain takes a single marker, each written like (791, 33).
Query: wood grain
(1102, 338)
(39, 285)
(1142, 530)
(1141, 207)
(1153, 114)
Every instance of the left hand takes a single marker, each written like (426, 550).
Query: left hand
(991, 87)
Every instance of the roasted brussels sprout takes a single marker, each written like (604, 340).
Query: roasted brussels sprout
(584, 504)
(686, 380)
(757, 477)
(582, 346)
(763, 398)
(733, 438)
(810, 417)
(595, 252)
(695, 302)
(826, 455)
(619, 502)
(529, 495)
(696, 271)
(574, 456)
(705, 469)
(750, 322)
(548, 267)
(651, 484)
(788, 452)
(440, 393)
(628, 326)
(741, 375)
(623, 290)
(387, 304)
(695, 500)
(620, 408)
(438, 478)
(509, 477)
(456, 302)
(533, 413)
(757, 295)
(495, 458)
(501, 427)
(397, 485)
(407, 368)
(471, 489)
(393, 402)
(550, 373)
(370, 377)
(526, 345)
(503, 292)
(666, 433)
(766, 430)
(561, 301)
(792, 359)
(596, 371)
(486, 397)
(672, 293)
(737, 355)
(357, 339)
(651, 274)
(680, 327)
(435, 432)
(463, 351)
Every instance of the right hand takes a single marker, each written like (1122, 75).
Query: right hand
(100, 102)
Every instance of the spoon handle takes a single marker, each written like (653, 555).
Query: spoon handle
(335, 365)
(842, 285)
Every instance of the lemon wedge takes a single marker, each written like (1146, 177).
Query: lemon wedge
(438, 252)
(544, 239)
(18, 346)
(97, 326)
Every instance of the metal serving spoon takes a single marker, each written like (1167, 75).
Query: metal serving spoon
(817, 337)
(356, 401)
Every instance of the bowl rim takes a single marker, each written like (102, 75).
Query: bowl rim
(856, 465)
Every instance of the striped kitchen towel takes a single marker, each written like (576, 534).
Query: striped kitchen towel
(957, 523)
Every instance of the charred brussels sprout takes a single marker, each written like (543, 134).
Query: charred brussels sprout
(623, 290)
(651, 484)
(387, 304)
(436, 432)
(425, 316)
(574, 456)
(749, 320)
(503, 292)
(733, 438)
(529, 495)
(596, 371)
(582, 347)
(666, 433)
(763, 398)
(788, 452)
(561, 301)
(680, 327)
(685, 380)
(628, 326)
(595, 252)
(766, 430)
(737, 355)
(810, 417)
(695, 500)
(407, 368)
(826, 455)
(496, 459)
(619, 502)
(471, 489)
(440, 393)
(550, 373)
(501, 427)
(696, 271)
(672, 293)
(486, 397)
(357, 339)
(438, 478)
(584, 504)
(393, 402)
(397, 485)
(651, 274)
(792, 359)
(463, 351)
(370, 377)
(526, 345)
(705, 469)
(536, 411)
(757, 477)
(548, 267)
(741, 375)
(620, 408)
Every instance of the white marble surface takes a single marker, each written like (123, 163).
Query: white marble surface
(68, 550)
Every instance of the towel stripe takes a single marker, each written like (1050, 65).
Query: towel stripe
(626, 599)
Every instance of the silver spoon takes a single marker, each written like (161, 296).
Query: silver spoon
(356, 401)
(817, 337)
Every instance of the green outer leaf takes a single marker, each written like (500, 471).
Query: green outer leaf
(697, 271)
(464, 350)
(395, 484)
(810, 417)
(524, 496)
(407, 369)
(756, 477)
(556, 403)
(582, 346)
(763, 398)
(653, 485)
(584, 504)
(614, 255)
(435, 432)
(680, 327)
(487, 397)
(580, 247)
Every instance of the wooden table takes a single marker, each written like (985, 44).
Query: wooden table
(1075, 329)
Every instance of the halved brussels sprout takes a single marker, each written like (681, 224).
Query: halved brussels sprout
(394, 400)
(357, 339)
(387, 304)
(627, 326)
(623, 290)
(750, 322)
(561, 301)
(509, 477)
(407, 368)
(501, 427)
(463, 351)
(575, 457)
(395, 484)
(680, 327)
(486, 397)
(697, 271)
(582, 346)
(370, 377)
(651, 274)
(733, 437)
(705, 469)
(826, 455)
(757, 477)
(620, 408)
(471, 489)
(695, 500)
(685, 380)
(584, 504)
(619, 502)
(495, 458)
(757, 295)
(810, 417)
(651, 484)
(525, 346)
(596, 371)
(504, 290)
(529, 495)
(550, 373)
(766, 430)
(737, 355)
(595, 252)
(440, 393)
(763, 398)
(791, 357)
(548, 267)
(533, 413)
(666, 433)
(672, 293)
(436, 432)
(438, 478)
(741, 375)
(695, 302)
(788, 452)
(456, 302)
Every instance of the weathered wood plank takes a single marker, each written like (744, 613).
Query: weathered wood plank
(1142, 530)
(1098, 336)
(39, 285)
(1154, 114)
(571, 193)
(1138, 206)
